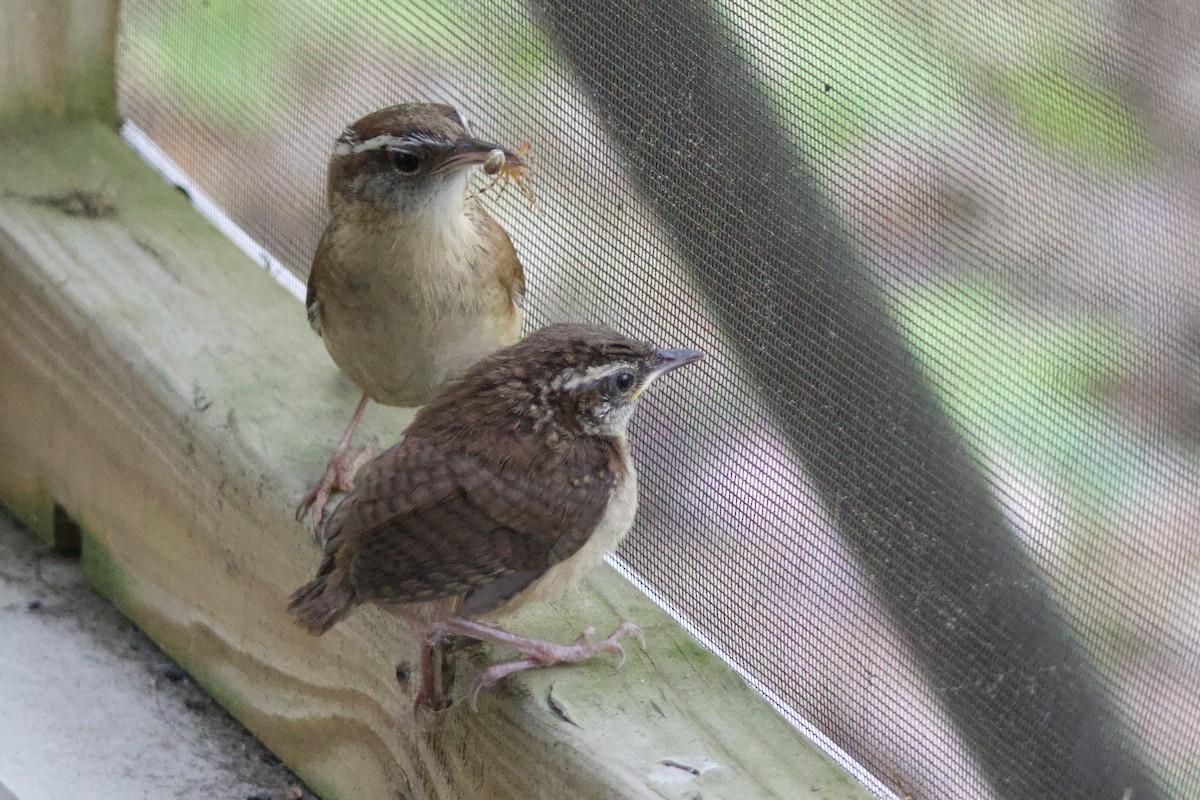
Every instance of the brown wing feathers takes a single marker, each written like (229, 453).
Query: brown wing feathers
(426, 527)
(322, 602)
(312, 300)
(508, 266)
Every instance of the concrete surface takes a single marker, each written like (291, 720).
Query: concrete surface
(90, 708)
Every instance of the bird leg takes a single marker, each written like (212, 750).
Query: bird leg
(431, 691)
(339, 473)
(538, 653)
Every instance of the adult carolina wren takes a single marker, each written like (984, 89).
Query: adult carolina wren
(506, 488)
(412, 280)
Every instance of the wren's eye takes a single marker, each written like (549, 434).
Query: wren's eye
(404, 161)
(623, 381)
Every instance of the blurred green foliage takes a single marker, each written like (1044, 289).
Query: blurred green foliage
(844, 67)
(221, 56)
(234, 58)
(849, 67)
(1084, 120)
(1027, 384)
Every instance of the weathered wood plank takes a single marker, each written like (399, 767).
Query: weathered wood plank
(169, 395)
(56, 59)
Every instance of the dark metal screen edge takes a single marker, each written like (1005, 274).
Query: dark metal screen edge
(710, 158)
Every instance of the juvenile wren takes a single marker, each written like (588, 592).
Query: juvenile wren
(510, 485)
(412, 280)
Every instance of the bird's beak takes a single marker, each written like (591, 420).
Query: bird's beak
(468, 151)
(667, 360)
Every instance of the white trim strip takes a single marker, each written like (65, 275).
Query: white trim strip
(840, 756)
(163, 165)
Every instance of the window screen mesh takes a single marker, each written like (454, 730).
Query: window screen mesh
(1022, 185)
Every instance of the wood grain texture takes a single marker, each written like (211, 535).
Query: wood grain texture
(57, 59)
(171, 397)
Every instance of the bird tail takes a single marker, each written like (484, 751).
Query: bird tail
(321, 603)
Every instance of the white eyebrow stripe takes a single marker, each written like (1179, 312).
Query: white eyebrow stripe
(569, 379)
(345, 147)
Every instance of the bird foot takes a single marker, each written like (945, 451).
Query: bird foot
(541, 653)
(430, 694)
(427, 698)
(338, 477)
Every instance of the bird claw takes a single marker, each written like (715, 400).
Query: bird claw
(496, 673)
(364, 455)
(612, 645)
(338, 477)
(479, 685)
(313, 503)
(426, 701)
(545, 654)
(628, 628)
(536, 652)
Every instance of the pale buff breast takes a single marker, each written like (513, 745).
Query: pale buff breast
(409, 307)
(563, 576)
